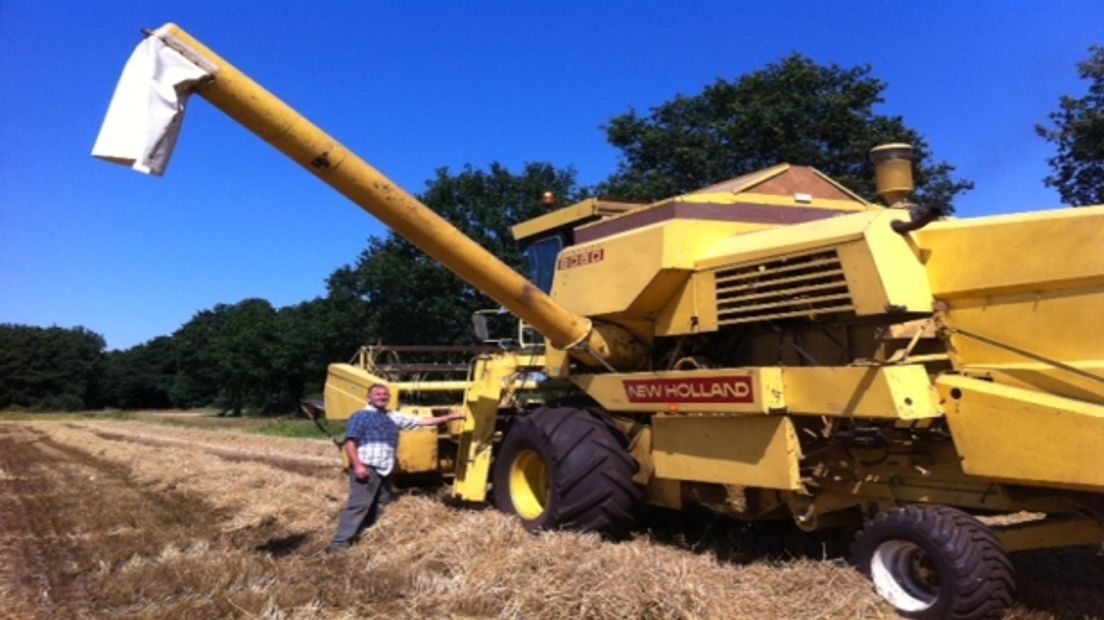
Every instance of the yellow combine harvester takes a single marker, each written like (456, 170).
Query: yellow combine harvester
(774, 346)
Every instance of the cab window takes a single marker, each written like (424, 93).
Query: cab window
(541, 256)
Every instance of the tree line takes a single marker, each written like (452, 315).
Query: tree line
(250, 357)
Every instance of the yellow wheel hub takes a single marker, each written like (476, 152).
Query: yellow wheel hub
(529, 483)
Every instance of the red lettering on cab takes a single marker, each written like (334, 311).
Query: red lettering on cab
(579, 258)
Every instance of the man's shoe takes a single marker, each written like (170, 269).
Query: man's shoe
(337, 548)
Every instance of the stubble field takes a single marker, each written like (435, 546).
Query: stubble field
(127, 519)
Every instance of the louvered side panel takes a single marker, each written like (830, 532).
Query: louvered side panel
(804, 285)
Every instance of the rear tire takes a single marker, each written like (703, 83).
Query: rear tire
(566, 468)
(935, 562)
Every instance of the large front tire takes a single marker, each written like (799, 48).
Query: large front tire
(566, 468)
(935, 562)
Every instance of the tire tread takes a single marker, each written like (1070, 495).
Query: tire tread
(982, 575)
(591, 471)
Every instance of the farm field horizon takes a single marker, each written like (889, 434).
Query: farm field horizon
(197, 519)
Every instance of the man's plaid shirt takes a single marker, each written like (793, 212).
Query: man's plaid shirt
(376, 433)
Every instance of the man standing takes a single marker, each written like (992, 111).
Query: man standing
(370, 440)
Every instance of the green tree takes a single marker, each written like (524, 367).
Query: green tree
(312, 335)
(225, 357)
(142, 376)
(238, 357)
(196, 382)
(794, 111)
(412, 299)
(1078, 132)
(50, 368)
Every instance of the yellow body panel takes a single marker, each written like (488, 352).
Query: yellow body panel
(639, 269)
(744, 450)
(1023, 436)
(495, 377)
(417, 452)
(1052, 533)
(579, 212)
(1049, 379)
(1022, 297)
(693, 308)
(882, 271)
(1057, 324)
(894, 269)
(346, 390)
(1015, 253)
(887, 392)
(792, 239)
(1012, 335)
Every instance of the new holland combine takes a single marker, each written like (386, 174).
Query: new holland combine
(774, 346)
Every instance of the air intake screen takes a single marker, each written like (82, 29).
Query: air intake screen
(800, 286)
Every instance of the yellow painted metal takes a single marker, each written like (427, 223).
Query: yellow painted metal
(1048, 341)
(529, 484)
(745, 450)
(1018, 435)
(765, 393)
(887, 392)
(1049, 250)
(901, 392)
(640, 269)
(493, 380)
(1022, 296)
(803, 269)
(692, 309)
(1049, 379)
(347, 386)
(416, 452)
(430, 386)
(1051, 533)
(774, 242)
(664, 492)
(346, 390)
(807, 285)
(278, 124)
(657, 491)
(895, 270)
(589, 209)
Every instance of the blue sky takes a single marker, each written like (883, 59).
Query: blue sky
(413, 86)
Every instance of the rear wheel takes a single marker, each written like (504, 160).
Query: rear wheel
(935, 562)
(566, 468)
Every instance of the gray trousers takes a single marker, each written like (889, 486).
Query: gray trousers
(367, 499)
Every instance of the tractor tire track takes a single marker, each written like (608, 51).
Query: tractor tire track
(305, 464)
(37, 576)
(68, 519)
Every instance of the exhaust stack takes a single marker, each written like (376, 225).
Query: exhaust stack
(893, 172)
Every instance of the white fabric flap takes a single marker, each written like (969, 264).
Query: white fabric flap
(147, 109)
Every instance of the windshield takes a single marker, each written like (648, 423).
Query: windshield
(542, 261)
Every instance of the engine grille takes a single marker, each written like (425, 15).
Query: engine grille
(798, 286)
